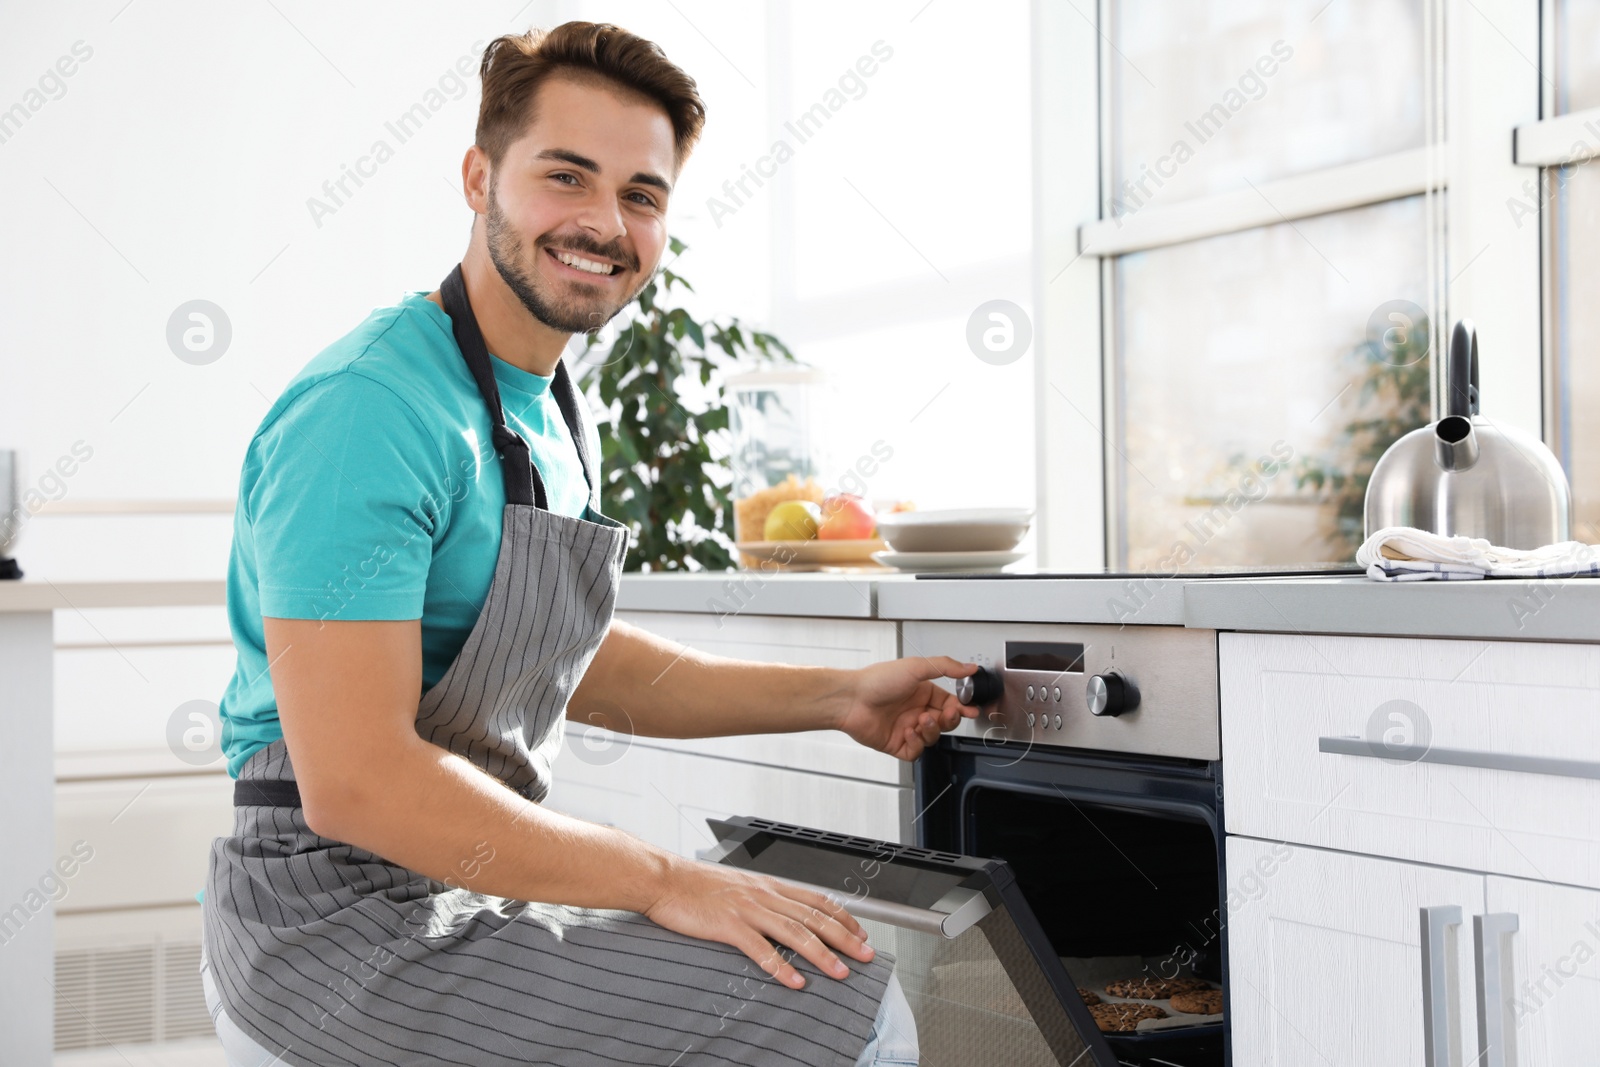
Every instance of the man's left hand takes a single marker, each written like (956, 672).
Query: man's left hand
(894, 706)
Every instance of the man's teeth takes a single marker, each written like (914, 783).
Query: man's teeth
(583, 264)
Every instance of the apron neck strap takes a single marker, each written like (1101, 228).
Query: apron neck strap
(522, 480)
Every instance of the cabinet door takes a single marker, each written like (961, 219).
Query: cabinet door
(665, 797)
(1326, 958)
(1547, 987)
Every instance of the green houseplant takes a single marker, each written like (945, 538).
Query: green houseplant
(662, 448)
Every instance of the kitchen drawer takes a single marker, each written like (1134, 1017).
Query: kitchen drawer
(665, 797)
(846, 643)
(1495, 759)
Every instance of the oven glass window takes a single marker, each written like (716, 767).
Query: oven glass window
(970, 997)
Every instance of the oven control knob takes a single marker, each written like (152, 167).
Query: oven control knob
(977, 690)
(1111, 694)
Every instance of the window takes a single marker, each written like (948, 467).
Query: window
(1267, 247)
(1271, 223)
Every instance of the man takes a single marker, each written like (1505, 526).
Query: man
(419, 516)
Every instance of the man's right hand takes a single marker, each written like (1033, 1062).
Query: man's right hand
(741, 909)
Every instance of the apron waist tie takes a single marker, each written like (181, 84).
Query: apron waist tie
(266, 793)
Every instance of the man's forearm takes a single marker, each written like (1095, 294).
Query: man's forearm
(643, 684)
(434, 812)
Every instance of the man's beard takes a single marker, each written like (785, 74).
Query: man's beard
(589, 310)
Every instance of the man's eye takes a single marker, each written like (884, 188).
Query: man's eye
(563, 176)
(641, 198)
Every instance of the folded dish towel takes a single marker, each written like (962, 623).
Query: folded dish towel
(1406, 554)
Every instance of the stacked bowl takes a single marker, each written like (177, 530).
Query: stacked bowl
(964, 539)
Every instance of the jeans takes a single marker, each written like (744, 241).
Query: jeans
(237, 1046)
(894, 1032)
(893, 1042)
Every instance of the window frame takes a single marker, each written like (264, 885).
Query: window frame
(1544, 145)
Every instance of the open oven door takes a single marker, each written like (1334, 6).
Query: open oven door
(983, 982)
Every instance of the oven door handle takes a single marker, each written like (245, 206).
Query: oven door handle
(1436, 1028)
(1493, 1034)
(1459, 757)
(949, 917)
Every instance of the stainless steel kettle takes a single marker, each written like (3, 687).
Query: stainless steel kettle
(1467, 475)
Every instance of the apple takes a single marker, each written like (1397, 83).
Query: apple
(846, 517)
(792, 520)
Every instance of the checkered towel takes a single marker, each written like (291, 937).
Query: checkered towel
(1406, 554)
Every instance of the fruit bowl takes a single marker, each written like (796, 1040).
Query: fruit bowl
(803, 555)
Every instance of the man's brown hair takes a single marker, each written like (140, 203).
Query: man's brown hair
(514, 66)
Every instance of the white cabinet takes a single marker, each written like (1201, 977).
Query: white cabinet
(1479, 755)
(778, 639)
(665, 797)
(1479, 762)
(1548, 989)
(1326, 958)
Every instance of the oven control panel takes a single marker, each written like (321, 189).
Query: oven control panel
(1147, 689)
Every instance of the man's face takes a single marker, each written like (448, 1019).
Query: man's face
(576, 218)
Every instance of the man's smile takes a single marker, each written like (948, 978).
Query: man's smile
(589, 267)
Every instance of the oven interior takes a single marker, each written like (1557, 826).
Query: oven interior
(1122, 887)
(1105, 879)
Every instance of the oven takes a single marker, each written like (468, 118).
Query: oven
(1067, 870)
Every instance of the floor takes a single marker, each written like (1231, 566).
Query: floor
(203, 1052)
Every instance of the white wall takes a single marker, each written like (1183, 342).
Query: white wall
(178, 162)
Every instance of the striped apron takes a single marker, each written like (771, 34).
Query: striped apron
(324, 953)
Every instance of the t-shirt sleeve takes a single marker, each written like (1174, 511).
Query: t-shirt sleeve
(343, 508)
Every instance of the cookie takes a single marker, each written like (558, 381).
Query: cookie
(1198, 1002)
(1148, 988)
(1089, 996)
(1123, 1018)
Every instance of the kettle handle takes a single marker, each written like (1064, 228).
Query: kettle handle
(1461, 372)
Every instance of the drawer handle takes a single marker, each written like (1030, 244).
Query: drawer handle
(1435, 984)
(1459, 757)
(1493, 1036)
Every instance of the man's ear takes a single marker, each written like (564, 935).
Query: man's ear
(476, 177)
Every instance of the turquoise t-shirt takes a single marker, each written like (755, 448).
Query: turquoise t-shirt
(371, 490)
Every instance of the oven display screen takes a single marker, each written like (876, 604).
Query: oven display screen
(1051, 656)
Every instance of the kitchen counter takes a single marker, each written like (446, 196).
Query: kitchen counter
(896, 595)
(27, 783)
(1116, 601)
(37, 594)
(1553, 609)
(819, 594)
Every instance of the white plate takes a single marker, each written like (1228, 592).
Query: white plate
(948, 561)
